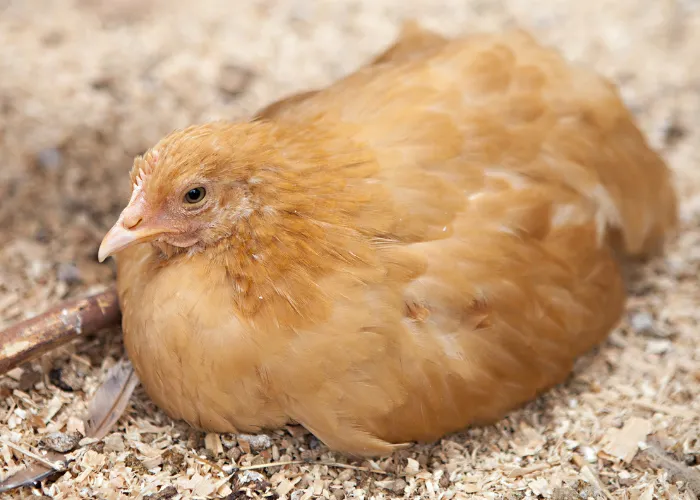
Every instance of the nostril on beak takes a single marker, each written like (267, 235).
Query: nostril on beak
(131, 222)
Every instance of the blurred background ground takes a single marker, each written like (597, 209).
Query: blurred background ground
(87, 84)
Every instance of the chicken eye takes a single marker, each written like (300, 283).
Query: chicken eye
(195, 195)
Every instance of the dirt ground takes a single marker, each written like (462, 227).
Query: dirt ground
(87, 84)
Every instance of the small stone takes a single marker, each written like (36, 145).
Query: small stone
(49, 159)
(75, 379)
(56, 379)
(234, 454)
(135, 465)
(399, 486)
(679, 267)
(444, 481)
(234, 80)
(565, 493)
(314, 442)
(673, 132)
(642, 322)
(195, 439)
(173, 460)
(69, 273)
(228, 440)
(250, 476)
(62, 442)
(257, 442)
(42, 235)
(28, 380)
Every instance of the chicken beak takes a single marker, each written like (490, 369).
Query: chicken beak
(131, 228)
(120, 237)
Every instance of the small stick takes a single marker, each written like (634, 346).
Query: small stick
(210, 464)
(354, 467)
(66, 322)
(304, 462)
(55, 466)
(271, 464)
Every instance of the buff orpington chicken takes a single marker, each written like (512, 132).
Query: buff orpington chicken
(422, 246)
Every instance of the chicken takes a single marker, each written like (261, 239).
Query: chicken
(424, 245)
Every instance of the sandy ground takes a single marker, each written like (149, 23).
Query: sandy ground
(87, 84)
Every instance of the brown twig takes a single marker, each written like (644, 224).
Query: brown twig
(47, 331)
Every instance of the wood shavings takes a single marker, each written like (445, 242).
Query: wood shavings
(63, 180)
(648, 494)
(668, 410)
(678, 471)
(624, 443)
(212, 442)
(114, 443)
(524, 471)
(659, 346)
(412, 467)
(592, 478)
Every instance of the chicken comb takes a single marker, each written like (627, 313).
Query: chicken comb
(143, 167)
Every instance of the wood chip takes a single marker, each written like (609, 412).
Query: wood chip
(523, 471)
(212, 442)
(624, 443)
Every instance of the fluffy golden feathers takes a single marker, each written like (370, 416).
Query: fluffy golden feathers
(421, 246)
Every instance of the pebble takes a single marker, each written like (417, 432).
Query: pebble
(69, 273)
(250, 476)
(234, 80)
(642, 322)
(49, 159)
(257, 442)
(62, 442)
